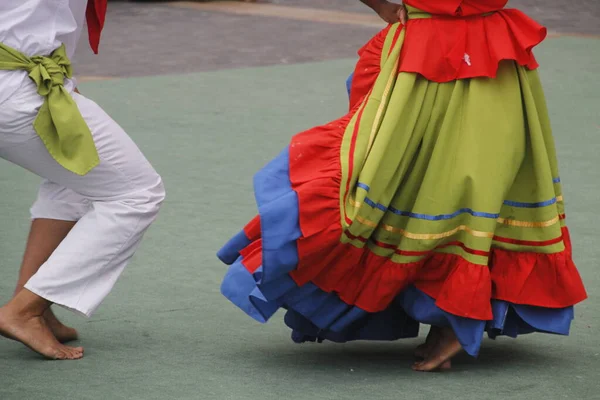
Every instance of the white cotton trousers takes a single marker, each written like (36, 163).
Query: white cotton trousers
(113, 204)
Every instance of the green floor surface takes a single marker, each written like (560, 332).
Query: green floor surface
(166, 332)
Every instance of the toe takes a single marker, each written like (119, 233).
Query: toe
(70, 351)
(75, 355)
(78, 351)
(430, 365)
(418, 366)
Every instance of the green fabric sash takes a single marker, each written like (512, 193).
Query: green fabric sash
(415, 13)
(59, 122)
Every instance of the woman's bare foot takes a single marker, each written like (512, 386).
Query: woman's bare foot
(21, 320)
(60, 331)
(439, 358)
(433, 337)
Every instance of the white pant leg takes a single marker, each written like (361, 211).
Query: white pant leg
(57, 202)
(124, 191)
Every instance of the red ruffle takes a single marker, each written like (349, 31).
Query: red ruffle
(455, 45)
(443, 49)
(252, 229)
(546, 280)
(367, 68)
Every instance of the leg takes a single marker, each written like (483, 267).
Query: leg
(44, 237)
(53, 216)
(125, 194)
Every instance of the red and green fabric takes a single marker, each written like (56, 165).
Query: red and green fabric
(431, 201)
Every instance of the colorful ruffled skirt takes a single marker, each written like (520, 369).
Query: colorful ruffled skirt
(428, 203)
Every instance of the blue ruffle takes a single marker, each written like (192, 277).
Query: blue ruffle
(270, 287)
(314, 315)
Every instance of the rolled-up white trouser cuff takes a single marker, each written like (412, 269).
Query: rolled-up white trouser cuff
(60, 203)
(56, 300)
(59, 210)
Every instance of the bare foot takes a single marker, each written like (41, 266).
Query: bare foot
(447, 347)
(433, 337)
(33, 332)
(60, 331)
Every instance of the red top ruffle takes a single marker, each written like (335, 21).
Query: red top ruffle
(459, 42)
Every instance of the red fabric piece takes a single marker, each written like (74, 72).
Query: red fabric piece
(252, 256)
(95, 15)
(525, 278)
(459, 286)
(443, 49)
(436, 47)
(367, 68)
(457, 43)
(252, 229)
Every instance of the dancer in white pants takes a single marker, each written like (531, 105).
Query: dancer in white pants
(85, 226)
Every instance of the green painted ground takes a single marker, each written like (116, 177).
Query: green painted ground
(166, 332)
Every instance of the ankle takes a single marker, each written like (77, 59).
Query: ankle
(20, 286)
(28, 304)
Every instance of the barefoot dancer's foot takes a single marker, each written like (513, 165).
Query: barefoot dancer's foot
(447, 347)
(21, 319)
(60, 331)
(434, 336)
